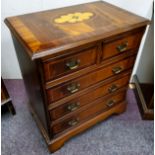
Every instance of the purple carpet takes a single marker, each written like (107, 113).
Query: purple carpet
(125, 134)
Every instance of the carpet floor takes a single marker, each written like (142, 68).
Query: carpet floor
(124, 134)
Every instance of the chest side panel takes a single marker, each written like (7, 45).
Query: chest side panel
(32, 81)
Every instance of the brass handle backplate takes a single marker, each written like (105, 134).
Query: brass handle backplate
(110, 103)
(73, 106)
(117, 70)
(73, 64)
(73, 88)
(123, 47)
(113, 88)
(73, 122)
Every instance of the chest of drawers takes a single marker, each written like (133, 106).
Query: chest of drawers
(76, 63)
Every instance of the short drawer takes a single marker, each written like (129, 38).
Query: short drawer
(74, 86)
(69, 64)
(96, 108)
(122, 45)
(89, 97)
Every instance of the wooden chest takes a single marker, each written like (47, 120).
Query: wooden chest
(76, 63)
(5, 99)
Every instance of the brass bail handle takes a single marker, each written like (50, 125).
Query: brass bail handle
(73, 106)
(73, 122)
(122, 47)
(117, 70)
(110, 103)
(73, 88)
(73, 64)
(113, 88)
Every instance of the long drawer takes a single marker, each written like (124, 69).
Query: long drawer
(78, 102)
(95, 108)
(73, 86)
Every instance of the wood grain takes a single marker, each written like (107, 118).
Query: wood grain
(41, 36)
(58, 68)
(132, 41)
(60, 139)
(87, 112)
(69, 60)
(61, 91)
(89, 97)
(5, 99)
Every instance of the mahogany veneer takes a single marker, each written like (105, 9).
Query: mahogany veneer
(76, 64)
(5, 98)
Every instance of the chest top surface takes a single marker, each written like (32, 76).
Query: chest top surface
(51, 31)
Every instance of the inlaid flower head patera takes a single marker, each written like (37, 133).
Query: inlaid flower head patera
(73, 17)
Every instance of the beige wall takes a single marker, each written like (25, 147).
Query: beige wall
(9, 64)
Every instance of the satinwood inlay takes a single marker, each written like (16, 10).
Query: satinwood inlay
(79, 63)
(73, 17)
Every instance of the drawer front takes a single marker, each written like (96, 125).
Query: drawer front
(121, 45)
(69, 64)
(89, 112)
(78, 84)
(87, 98)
